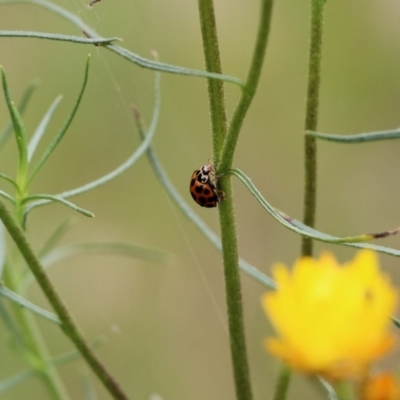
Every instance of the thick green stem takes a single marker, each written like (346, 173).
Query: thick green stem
(226, 212)
(216, 96)
(233, 293)
(69, 326)
(310, 146)
(223, 163)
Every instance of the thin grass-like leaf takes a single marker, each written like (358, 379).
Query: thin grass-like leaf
(9, 179)
(15, 380)
(21, 109)
(117, 248)
(63, 129)
(123, 249)
(88, 389)
(328, 389)
(2, 249)
(74, 355)
(396, 322)
(357, 138)
(192, 216)
(22, 377)
(7, 196)
(19, 130)
(16, 298)
(127, 164)
(55, 237)
(59, 37)
(136, 59)
(301, 229)
(58, 199)
(12, 327)
(40, 130)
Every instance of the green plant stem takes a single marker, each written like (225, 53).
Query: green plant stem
(223, 163)
(310, 145)
(233, 293)
(69, 326)
(226, 208)
(216, 94)
(282, 383)
(250, 87)
(33, 347)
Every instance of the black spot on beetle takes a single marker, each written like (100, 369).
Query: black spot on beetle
(192, 182)
(198, 189)
(207, 191)
(202, 200)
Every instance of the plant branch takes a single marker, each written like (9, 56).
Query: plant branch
(216, 95)
(135, 58)
(59, 37)
(68, 324)
(250, 87)
(226, 209)
(310, 145)
(30, 342)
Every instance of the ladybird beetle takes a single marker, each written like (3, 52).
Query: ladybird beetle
(202, 188)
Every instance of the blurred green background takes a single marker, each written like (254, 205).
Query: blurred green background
(165, 324)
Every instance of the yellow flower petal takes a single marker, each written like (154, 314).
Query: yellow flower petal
(331, 319)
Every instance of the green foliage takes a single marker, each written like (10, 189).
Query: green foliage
(17, 312)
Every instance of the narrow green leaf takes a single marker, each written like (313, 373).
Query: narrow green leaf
(57, 199)
(40, 130)
(127, 164)
(136, 59)
(74, 354)
(301, 229)
(7, 196)
(15, 380)
(20, 133)
(328, 388)
(90, 393)
(21, 109)
(58, 37)
(118, 248)
(396, 322)
(9, 179)
(2, 249)
(357, 138)
(63, 129)
(13, 328)
(22, 377)
(16, 298)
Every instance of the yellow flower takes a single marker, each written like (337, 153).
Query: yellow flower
(331, 320)
(382, 386)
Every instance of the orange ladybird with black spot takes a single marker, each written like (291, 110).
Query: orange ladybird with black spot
(202, 188)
